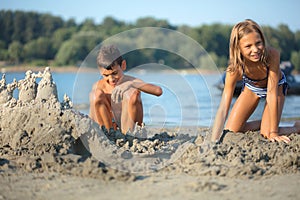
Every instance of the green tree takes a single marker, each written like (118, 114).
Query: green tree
(6, 26)
(49, 24)
(69, 53)
(87, 39)
(88, 25)
(3, 51)
(295, 59)
(70, 23)
(32, 27)
(110, 27)
(152, 22)
(61, 35)
(110, 23)
(272, 37)
(214, 38)
(297, 40)
(77, 48)
(40, 48)
(15, 51)
(281, 38)
(189, 31)
(19, 26)
(287, 41)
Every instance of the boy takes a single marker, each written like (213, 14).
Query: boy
(115, 100)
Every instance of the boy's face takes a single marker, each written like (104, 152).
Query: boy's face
(113, 75)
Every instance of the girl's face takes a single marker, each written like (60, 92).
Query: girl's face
(251, 46)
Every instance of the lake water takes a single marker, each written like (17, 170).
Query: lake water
(187, 100)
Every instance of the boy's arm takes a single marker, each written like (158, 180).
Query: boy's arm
(138, 84)
(147, 87)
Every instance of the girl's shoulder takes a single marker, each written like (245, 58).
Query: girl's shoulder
(272, 53)
(234, 71)
(273, 57)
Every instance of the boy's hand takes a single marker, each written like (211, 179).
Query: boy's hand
(119, 90)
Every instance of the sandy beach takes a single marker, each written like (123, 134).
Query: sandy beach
(48, 150)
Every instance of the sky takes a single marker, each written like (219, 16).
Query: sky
(176, 12)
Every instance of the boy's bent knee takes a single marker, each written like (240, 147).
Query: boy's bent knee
(135, 97)
(98, 95)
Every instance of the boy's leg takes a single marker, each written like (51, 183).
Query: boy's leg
(100, 109)
(132, 110)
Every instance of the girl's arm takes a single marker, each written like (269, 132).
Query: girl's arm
(272, 91)
(272, 96)
(221, 115)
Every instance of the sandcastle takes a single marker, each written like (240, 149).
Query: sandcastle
(28, 88)
(6, 90)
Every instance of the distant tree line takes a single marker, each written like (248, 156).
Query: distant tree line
(42, 39)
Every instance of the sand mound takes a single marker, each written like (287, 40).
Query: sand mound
(40, 134)
(240, 155)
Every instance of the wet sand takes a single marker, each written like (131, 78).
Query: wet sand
(48, 150)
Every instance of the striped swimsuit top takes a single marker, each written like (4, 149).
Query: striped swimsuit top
(261, 91)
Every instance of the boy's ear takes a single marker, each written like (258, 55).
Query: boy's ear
(123, 65)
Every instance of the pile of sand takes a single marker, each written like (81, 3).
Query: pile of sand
(241, 156)
(40, 134)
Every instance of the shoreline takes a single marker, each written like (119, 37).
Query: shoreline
(12, 69)
(74, 69)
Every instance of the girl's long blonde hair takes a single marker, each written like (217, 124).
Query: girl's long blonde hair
(241, 29)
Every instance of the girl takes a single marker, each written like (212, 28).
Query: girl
(258, 67)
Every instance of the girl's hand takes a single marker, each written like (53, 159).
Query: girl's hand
(275, 137)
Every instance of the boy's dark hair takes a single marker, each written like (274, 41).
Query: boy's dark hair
(109, 56)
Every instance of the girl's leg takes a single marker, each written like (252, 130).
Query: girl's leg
(241, 111)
